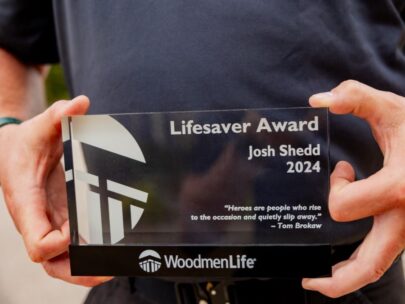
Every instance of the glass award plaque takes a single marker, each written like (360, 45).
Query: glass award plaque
(209, 194)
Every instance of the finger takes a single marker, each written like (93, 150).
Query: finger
(42, 240)
(342, 176)
(44, 132)
(375, 255)
(59, 268)
(45, 236)
(352, 200)
(48, 124)
(29, 207)
(353, 97)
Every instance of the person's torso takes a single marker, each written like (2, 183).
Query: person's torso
(150, 55)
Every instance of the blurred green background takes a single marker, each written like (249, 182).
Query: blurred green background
(55, 85)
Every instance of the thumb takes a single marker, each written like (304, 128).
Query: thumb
(47, 125)
(76, 106)
(379, 108)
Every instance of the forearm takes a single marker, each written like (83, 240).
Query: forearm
(22, 92)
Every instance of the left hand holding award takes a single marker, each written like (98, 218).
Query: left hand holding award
(33, 183)
(381, 195)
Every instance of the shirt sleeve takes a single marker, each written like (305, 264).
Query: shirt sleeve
(27, 30)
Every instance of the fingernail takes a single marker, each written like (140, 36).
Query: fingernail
(323, 99)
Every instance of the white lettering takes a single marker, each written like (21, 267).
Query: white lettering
(230, 262)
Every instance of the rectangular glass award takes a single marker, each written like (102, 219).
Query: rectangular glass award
(233, 193)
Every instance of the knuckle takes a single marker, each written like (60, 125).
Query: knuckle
(376, 270)
(391, 250)
(35, 253)
(338, 216)
(394, 100)
(376, 273)
(401, 241)
(55, 108)
(333, 293)
(49, 270)
(57, 104)
(336, 212)
(399, 194)
(396, 107)
(350, 86)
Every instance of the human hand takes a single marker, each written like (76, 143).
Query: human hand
(381, 195)
(33, 183)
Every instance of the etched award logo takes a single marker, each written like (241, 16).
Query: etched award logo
(104, 196)
(150, 261)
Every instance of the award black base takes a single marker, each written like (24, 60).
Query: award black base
(205, 262)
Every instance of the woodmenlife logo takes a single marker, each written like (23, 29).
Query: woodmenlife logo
(98, 208)
(151, 261)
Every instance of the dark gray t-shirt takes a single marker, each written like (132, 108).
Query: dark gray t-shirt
(136, 56)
